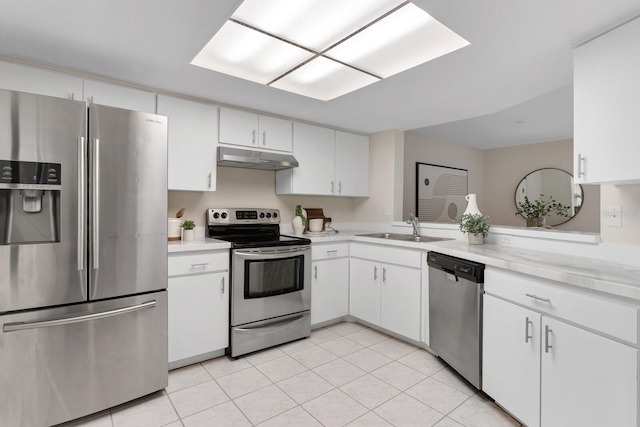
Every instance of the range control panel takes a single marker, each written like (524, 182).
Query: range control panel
(224, 216)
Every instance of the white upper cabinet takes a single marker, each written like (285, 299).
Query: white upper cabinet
(332, 163)
(254, 130)
(352, 164)
(193, 136)
(23, 78)
(606, 105)
(119, 96)
(314, 150)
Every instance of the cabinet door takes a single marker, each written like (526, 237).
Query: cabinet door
(238, 127)
(275, 133)
(193, 136)
(119, 96)
(587, 380)
(400, 300)
(606, 103)
(329, 290)
(352, 165)
(511, 358)
(198, 315)
(313, 147)
(364, 290)
(23, 78)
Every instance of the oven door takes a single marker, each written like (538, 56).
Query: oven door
(270, 282)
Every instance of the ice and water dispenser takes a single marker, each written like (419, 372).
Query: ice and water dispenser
(29, 202)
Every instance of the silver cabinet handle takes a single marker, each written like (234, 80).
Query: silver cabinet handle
(73, 96)
(315, 271)
(384, 274)
(539, 298)
(335, 251)
(82, 171)
(340, 187)
(375, 272)
(95, 215)
(331, 187)
(222, 281)
(253, 137)
(91, 99)
(527, 337)
(581, 163)
(21, 326)
(209, 182)
(547, 331)
(264, 137)
(202, 264)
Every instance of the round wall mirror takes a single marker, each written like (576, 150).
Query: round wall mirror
(554, 183)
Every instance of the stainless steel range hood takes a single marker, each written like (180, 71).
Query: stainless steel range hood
(250, 159)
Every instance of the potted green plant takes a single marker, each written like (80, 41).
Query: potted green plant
(188, 230)
(477, 225)
(536, 211)
(299, 221)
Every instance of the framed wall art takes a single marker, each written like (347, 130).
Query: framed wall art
(440, 192)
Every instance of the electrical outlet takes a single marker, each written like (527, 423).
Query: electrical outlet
(385, 211)
(613, 216)
(505, 239)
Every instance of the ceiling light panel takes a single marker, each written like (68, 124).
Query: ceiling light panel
(324, 79)
(402, 40)
(248, 54)
(314, 24)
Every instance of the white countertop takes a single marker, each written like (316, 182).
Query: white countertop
(201, 244)
(616, 279)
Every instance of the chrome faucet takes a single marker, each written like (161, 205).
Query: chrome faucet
(414, 221)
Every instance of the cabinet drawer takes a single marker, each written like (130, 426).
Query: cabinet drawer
(181, 264)
(387, 254)
(598, 312)
(329, 250)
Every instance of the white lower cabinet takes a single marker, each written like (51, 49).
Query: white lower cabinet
(329, 290)
(198, 306)
(385, 294)
(548, 372)
(511, 358)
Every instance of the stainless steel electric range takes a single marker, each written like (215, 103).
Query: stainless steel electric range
(270, 279)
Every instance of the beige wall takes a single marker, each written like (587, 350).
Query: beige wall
(241, 188)
(386, 161)
(421, 148)
(626, 197)
(505, 167)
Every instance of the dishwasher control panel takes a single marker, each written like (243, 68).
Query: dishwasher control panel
(466, 269)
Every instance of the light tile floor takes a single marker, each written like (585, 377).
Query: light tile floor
(343, 375)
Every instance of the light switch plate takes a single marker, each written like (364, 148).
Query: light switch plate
(385, 211)
(613, 216)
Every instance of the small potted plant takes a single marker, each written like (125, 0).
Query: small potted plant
(536, 211)
(188, 230)
(299, 221)
(477, 225)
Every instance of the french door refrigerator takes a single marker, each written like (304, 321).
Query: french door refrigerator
(83, 258)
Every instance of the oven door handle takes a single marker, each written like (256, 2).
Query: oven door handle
(271, 253)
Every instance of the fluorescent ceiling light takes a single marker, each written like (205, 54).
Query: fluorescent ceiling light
(325, 48)
(324, 79)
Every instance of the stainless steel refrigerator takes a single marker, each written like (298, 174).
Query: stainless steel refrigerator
(83, 258)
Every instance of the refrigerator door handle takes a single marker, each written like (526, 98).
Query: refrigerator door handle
(21, 326)
(82, 170)
(95, 238)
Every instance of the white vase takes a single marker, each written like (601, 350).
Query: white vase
(298, 226)
(188, 235)
(173, 230)
(472, 205)
(475, 239)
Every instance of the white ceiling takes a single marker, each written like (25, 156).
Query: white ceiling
(520, 50)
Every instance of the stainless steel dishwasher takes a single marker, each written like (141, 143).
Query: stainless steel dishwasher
(455, 313)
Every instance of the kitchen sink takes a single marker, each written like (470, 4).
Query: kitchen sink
(404, 237)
